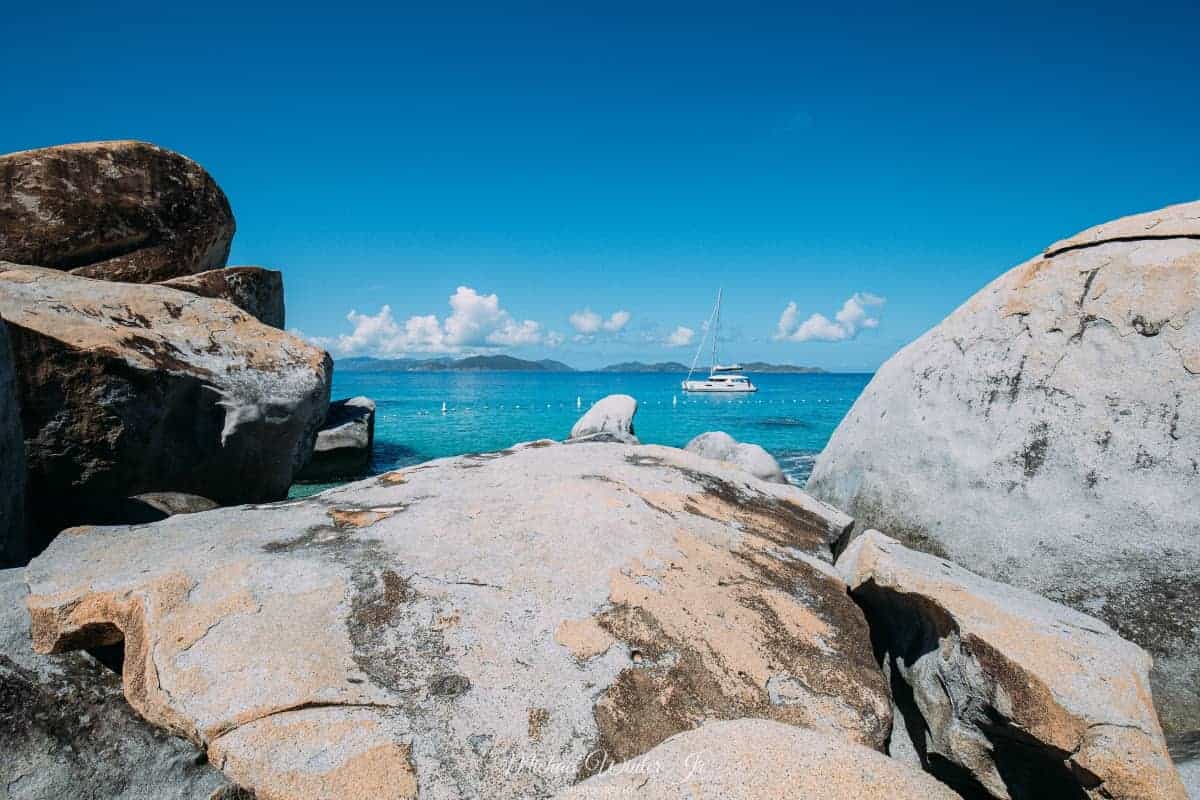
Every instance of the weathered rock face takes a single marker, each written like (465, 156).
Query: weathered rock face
(13, 545)
(66, 731)
(610, 419)
(1005, 692)
(1047, 434)
(750, 457)
(126, 389)
(344, 443)
(257, 291)
(120, 211)
(755, 759)
(476, 626)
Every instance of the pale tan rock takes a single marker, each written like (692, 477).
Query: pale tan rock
(754, 759)
(1030, 698)
(476, 625)
(1047, 435)
(1182, 220)
(130, 388)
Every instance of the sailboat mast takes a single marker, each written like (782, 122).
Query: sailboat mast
(716, 330)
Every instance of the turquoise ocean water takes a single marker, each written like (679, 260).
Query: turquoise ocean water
(792, 416)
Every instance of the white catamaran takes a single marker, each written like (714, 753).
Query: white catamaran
(721, 378)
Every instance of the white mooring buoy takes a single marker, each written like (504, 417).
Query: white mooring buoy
(579, 402)
(443, 406)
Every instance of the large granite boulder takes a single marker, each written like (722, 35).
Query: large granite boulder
(1047, 434)
(610, 419)
(12, 462)
(479, 626)
(750, 457)
(257, 291)
(121, 211)
(1004, 693)
(344, 443)
(66, 731)
(756, 759)
(126, 389)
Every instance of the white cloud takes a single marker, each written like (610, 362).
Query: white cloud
(553, 339)
(680, 337)
(846, 324)
(476, 322)
(617, 321)
(587, 322)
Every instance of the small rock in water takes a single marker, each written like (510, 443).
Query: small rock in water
(750, 457)
(610, 419)
(345, 442)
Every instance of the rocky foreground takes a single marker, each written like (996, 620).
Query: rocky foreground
(589, 618)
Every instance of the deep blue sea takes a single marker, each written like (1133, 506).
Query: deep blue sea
(792, 416)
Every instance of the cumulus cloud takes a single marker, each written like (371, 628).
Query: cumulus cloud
(588, 322)
(680, 337)
(475, 322)
(853, 317)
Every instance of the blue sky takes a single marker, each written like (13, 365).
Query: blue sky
(883, 161)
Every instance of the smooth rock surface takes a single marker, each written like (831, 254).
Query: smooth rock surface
(474, 626)
(1047, 435)
(1006, 691)
(13, 544)
(126, 389)
(66, 731)
(344, 443)
(755, 759)
(750, 457)
(121, 211)
(610, 419)
(1190, 772)
(257, 291)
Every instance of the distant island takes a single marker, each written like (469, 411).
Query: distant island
(638, 366)
(511, 364)
(761, 367)
(468, 364)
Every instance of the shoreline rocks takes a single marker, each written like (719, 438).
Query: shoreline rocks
(1004, 692)
(754, 459)
(128, 388)
(1046, 435)
(257, 291)
(344, 443)
(529, 606)
(120, 211)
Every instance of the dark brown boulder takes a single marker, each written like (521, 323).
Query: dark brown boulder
(12, 461)
(126, 389)
(257, 291)
(119, 211)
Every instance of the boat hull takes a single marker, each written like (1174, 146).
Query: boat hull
(714, 388)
